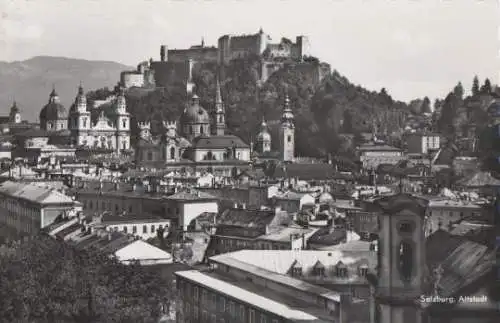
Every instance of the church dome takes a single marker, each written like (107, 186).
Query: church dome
(195, 113)
(53, 110)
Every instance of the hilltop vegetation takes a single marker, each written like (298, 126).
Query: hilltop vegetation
(322, 113)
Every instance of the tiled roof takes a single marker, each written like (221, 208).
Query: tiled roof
(191, 196)
(328, 236)
(305, 171)
(34, 193)
(281, 261)
(463, 261)
(372, 147)
(480, 179)
(246, 218)
(283, 233)
(219, 142)
(130, 218)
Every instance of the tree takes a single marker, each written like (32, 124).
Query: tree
(486, 88)
(347, 126)
(48, 281)
(475, 86)
(459, 90)
(449, 113)
(426, 105)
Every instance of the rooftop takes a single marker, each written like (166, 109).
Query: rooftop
(131, 218)
(35, 193)
(263, 299)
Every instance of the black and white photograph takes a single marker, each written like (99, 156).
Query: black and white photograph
(249, 161)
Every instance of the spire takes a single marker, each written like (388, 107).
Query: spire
(80, 89)
(202, 41)
(261, 31)
(287, 116)
(218, 96)
(53, 93)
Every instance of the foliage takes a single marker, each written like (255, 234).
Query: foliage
(449, 114)
(475, 86)
(486, 88)
(48, 281)
(459, 91)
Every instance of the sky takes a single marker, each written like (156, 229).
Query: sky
(413, 48)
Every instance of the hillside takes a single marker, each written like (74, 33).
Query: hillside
(322, 113)
(30, 81)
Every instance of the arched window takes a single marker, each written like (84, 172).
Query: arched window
(289, 138)
(210, 156)
(406, 260)
(191, 130)
(201, 130)
(50, 125)
(172, 153)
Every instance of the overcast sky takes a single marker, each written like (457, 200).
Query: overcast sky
(413, 48)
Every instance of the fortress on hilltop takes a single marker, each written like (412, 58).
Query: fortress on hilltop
(176, 65)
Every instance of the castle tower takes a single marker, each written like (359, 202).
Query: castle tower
(220, 114)
(263, 138)
(163, 52)
(287, 132)
(122, 123)
(144, 130)
(14, 115)
(401, 259)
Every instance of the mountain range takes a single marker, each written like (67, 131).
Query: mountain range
(30, 82)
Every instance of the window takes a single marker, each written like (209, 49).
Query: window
(130, 208)
(125, 229)
(214, 301)
(144, 229)
(195, 314)
(196, 293)
(406, 227)
(297, 271)
(124, 123)
(289, 138)
(191, 131)
(213, 318)
(188, 309)
(232, 312)
(116, 229)
(204, 317)
(134, 229)
(242, 312)
(153, 228)
(406, 260)
(90, 205)
(84, 122)
(116, 208)
(251, 316)
(222, 306)
(50, 125)
(172, 153)
(201, 130)
(263, 318)
(363, 270)
(150, 155)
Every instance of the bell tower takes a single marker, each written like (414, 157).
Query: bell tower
(401, 259)
(220, 114)
(287, 132)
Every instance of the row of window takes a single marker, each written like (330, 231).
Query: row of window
(213, 306)
(340, 271)
(91, 205)
(144, 228)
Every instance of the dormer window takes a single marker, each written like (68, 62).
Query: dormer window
(319, 269)
(363, 270)
(341, 270)
(296, 269)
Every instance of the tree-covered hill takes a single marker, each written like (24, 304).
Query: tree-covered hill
(322, 112)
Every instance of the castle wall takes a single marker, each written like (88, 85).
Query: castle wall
(201, 54)
(131, 79)
(167, 73)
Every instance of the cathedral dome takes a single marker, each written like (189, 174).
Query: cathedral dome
(53, 110)
(195, 113)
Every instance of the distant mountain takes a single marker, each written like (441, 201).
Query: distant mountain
(31, 81)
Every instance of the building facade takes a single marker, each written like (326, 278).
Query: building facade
(87, 128)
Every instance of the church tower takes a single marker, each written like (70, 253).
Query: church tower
(287, 132)
(14, 115)
(263, 138)
(82, 118)
(122, 123)
(220, 114)
(401, 259)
